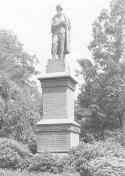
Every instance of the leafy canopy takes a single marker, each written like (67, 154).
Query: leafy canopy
(101, 103)
(20, 100)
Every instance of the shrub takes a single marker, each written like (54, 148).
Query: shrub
(46, 162)
(88, 137)
(13, 154)
(86, 156)
(25, 173)
(109, 166)
(117, 136)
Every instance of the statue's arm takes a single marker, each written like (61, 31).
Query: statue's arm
(53, 26)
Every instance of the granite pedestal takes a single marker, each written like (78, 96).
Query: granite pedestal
(57, 132)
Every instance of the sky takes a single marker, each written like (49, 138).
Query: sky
(30, 20)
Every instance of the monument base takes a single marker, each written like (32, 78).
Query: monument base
(57, 136)
(55, 66)
(57, 132)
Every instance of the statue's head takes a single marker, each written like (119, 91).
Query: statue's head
(59, 9)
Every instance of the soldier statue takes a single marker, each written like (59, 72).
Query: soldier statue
(60, 29)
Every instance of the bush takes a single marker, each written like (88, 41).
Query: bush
(88, 137)
(25, 173)
(89, 159)
(46, 162)
(117, 136)
(13, 154)
(32, 145)
(109, 166)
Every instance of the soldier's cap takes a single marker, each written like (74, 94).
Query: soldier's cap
(59, 7)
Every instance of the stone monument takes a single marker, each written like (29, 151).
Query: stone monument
(57, 132)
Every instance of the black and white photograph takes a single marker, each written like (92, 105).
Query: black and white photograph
(62, 88)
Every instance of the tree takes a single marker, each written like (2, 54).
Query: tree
(20, 98)
(15, 62)
(103, 94)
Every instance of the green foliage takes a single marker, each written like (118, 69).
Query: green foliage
(13, 155)
(32, 145)
(18, 116)
(99, 159)
(117, 136)
(45, 162)
(20, 103)
(101, 103)
(108, 166)
(14, 61)
(25, 173)
(88, 137)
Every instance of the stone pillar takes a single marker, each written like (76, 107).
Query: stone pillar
(57, 132)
